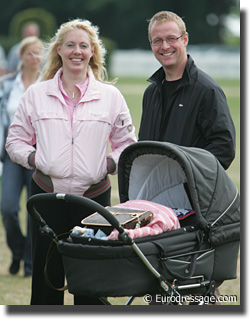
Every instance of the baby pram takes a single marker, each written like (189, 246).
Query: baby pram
(192, 260)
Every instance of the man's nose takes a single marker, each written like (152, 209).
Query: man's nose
(165, 44)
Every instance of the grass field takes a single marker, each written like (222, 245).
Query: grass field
(15, 290)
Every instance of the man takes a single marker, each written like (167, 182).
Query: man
(29, 29)
(183, 105)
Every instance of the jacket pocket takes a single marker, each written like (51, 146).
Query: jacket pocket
(96, 117)
(50, 114)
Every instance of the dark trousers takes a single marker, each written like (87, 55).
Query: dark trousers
(61, 217)
(14, 178)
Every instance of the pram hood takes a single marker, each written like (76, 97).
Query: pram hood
(161, 171)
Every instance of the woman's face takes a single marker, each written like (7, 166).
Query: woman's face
(76, 51)
(32, 57)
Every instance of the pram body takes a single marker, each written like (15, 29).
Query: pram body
(194, 259)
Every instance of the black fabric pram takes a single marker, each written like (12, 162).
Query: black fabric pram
(193, 259)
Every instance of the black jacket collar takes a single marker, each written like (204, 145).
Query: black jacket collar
(159, 75)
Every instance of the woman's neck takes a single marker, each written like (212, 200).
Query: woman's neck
(69, 78)
(29, 77)
(69, 81)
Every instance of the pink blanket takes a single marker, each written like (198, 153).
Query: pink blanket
(164, 219)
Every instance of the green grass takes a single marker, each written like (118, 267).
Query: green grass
(15, 290)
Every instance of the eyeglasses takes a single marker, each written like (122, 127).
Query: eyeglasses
(169, 40)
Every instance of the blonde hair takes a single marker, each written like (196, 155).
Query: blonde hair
(53, 61)
(164, 16)
(27, 42)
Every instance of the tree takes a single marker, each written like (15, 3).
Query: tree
(43, 18)
(125, 21)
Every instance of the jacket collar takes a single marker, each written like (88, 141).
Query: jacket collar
(159, 75)
(92, 92)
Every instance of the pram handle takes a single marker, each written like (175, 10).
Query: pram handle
(94, 206)
(83, 201)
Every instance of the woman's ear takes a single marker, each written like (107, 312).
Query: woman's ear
(58, 49)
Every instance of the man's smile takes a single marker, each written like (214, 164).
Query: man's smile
(167, 54)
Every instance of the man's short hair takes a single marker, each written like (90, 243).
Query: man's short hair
(164, 16)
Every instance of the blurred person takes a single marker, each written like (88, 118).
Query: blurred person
(29, 29)
(183, 105)
(15, 176)
(70, 116)
(3, 61)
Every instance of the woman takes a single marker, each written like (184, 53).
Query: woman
(70, 116)
(14, 176)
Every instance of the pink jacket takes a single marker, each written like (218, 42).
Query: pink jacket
(74, 156)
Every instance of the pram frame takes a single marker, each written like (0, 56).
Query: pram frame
(167, 288)
(217, 218)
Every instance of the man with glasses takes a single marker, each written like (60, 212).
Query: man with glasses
(183, 105)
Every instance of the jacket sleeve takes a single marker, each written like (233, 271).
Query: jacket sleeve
(21, 135)
(150, 123)
(123, 131)
(217, 126)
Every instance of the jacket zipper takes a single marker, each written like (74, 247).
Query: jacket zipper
(72, 124)
(72, 151)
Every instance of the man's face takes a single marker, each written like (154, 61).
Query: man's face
(173, 54)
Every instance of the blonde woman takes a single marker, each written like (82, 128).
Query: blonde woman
(14, 176)
(70, 116)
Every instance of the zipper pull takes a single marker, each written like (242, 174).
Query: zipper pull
(72, 140)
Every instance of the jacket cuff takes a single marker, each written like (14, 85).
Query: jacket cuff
(111, 166)
(31, 159)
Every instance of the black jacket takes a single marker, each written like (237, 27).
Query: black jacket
(198, 116)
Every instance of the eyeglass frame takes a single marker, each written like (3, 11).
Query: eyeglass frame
(162, 40)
